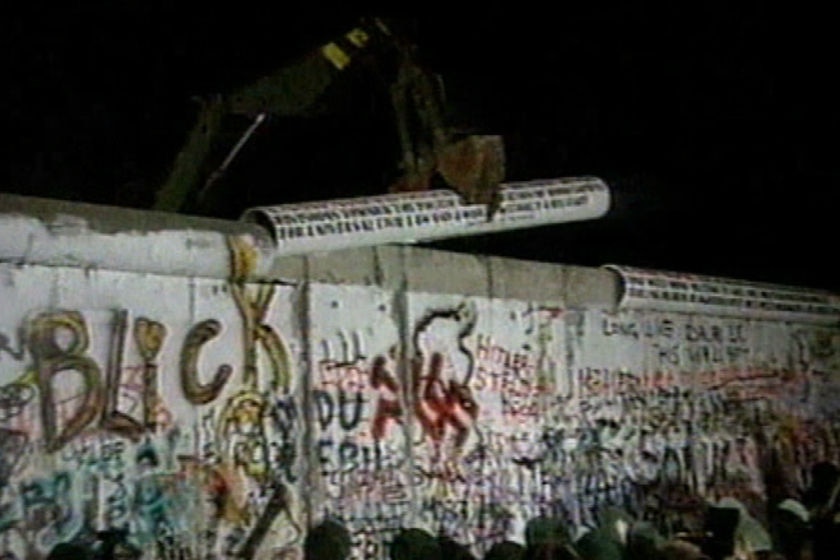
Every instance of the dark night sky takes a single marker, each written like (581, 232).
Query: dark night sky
(716, 129)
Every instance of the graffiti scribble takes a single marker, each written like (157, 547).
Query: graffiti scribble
(13, 398)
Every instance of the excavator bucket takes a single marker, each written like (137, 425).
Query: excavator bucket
(474, 167)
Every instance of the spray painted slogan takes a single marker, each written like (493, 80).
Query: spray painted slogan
(678, 409)
(151, 434)
(495, 412)
(428, 433)
(158, 431)
(218, 420)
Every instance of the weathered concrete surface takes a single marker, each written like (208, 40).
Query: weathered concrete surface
(59, 233)
(114, 219)
(225, 404)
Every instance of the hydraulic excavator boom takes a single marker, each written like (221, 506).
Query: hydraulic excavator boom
(473, 166)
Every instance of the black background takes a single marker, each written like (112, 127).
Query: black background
(715, 125)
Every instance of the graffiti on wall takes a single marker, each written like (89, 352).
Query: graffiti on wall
(193, 433)
(482, 375)
(97, 449)
(358, 425)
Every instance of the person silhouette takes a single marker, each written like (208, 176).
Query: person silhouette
(329, 540)
(69, 551)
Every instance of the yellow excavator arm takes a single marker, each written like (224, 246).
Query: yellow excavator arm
(473, 166)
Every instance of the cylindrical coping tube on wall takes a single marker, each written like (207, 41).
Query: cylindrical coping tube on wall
(428, 215)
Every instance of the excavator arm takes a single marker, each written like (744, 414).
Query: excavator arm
(473, 166)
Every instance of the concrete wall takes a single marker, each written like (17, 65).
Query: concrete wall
(214, 399)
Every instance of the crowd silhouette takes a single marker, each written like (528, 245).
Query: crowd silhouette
(804, 527)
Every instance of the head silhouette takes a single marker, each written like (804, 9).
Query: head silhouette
(505, 550)
(329, 540)
(68, 551)
(415, 544)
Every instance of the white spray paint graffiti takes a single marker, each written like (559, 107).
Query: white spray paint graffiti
(211, 418)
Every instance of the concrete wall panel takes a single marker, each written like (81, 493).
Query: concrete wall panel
(223, 413)
(360, 467)
(484, 374)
